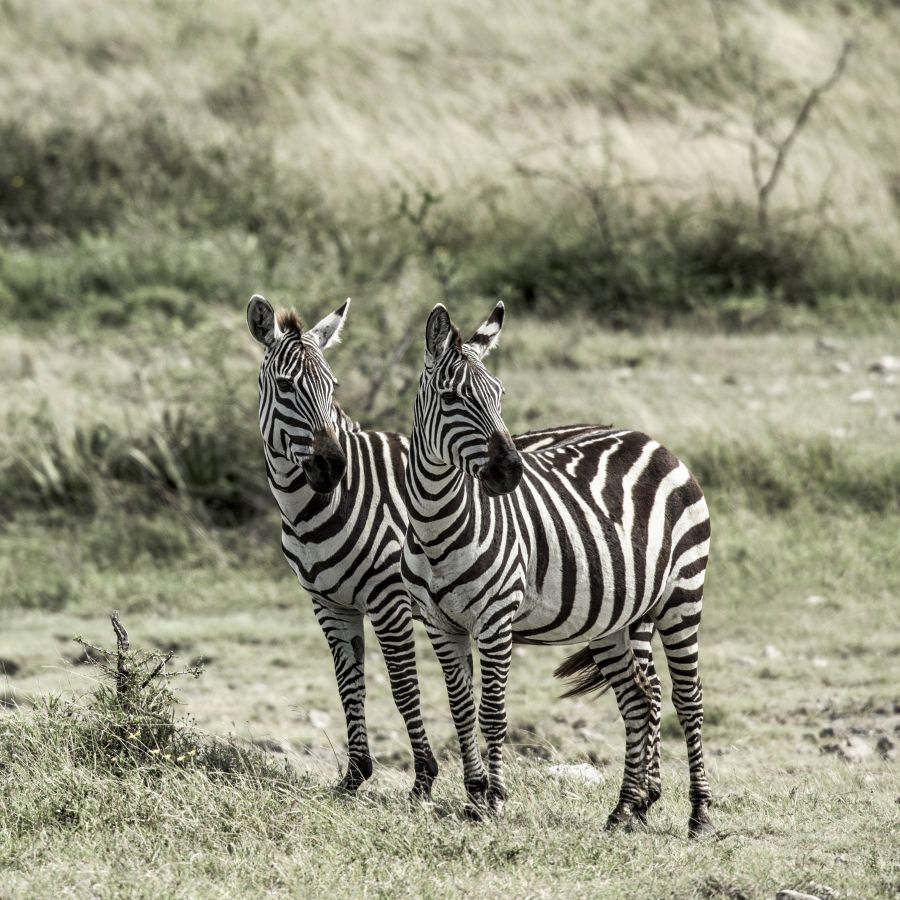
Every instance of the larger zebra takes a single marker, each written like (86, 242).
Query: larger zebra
(340, 492)
(582, 534)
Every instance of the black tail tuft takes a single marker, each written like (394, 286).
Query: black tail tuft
(584, 674)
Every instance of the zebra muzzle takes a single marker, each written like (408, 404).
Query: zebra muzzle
(325, 466)
(503, 470)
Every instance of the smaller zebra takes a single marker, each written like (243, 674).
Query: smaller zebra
(581, 534)
(340, 492)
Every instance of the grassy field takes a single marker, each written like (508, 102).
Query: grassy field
(800, 652)
(591, 164)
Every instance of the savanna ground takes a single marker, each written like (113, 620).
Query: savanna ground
(588, 164)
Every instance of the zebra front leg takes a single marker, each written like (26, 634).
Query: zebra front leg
(495, 654)
(454, 653)
(615, 657)
(641, 637)
(344, 631)
(393, 626)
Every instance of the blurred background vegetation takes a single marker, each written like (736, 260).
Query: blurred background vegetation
(700, 168)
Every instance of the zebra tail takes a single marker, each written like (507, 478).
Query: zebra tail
(583, 673)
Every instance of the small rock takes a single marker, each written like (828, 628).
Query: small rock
(827, 345)
(815, 600)
(842, 367)
(885, 747)
(886, 363)
(820, 662)
(889, 380)
(863, 396)
(787, 894)
(583, 772)
(729, 379)
(772, 652)
(698, 379)
(839, 433)
(851, 749)
(318, 719)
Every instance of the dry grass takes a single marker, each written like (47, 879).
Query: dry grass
(451, 97)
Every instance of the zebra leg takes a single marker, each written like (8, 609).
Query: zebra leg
(495, 654)
(679, 622)
(393, 626)
(454, 653)
(344, 631)
(616, 660)
(641, 635)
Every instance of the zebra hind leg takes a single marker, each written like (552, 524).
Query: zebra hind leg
(393, 626)
(678, 623)
(344, 633)
(641, 636)
(618, 665)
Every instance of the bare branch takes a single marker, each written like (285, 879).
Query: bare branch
(765, 187)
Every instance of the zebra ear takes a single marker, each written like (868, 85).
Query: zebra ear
(485, 338)
(261, 320)
(439, 331)
(328, 332)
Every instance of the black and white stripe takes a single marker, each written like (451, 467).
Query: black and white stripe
(340, 492)
(582, 534)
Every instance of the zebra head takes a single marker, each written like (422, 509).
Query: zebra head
(458, 403)
(297, 416)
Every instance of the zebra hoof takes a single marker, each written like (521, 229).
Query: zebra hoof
(420, 793)
(700, 826)
(358, 771)
(624, 817)
(474, 812)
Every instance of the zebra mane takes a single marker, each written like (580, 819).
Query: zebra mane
(289, 320)
(349, 424)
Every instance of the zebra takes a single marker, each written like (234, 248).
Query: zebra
(340, 493)
(579, 534)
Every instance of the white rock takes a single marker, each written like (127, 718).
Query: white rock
(840, 433)
(820, 662)
(697, 378)
(815, 600)
(772, 652)
(827, 345)
(786, 894)
(842, 367)
(863, 396)
(583, 772)
(886, 363)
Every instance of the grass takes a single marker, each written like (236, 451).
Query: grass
(802, 484)
(605, 170)
(161, 163)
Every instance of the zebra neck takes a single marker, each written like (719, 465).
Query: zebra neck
(298, 502)
(439, 496)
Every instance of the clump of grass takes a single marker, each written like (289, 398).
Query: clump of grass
(776, 477)
(129, 722)
(205, 463)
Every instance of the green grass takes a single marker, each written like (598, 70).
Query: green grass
(802, 486)
(160, 156)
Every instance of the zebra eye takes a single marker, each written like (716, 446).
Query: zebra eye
(285, 384)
